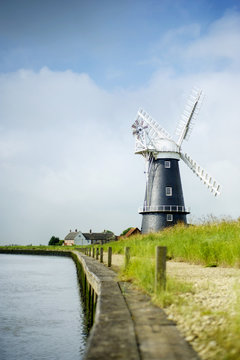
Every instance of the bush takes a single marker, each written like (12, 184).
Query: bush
(54, 241)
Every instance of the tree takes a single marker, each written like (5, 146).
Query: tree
(54, 241)
(125, 231)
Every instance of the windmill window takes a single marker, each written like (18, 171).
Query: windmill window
(169, 217)
(167, 164)
(168, 191)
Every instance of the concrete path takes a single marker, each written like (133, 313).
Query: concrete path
(157, 337)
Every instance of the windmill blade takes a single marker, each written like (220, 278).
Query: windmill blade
(156, 128)
(208, 180)
(189, 115)
(147, 134)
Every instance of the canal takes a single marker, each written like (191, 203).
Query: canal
(41, 312)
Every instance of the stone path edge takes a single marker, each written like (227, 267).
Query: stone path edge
(112, 335)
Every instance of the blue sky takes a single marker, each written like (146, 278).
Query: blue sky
(72, 77)
(116, 43)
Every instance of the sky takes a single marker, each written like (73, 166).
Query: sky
(73, 75)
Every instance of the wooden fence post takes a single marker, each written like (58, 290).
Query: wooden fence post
(160, 268)
(101, 255)
(109, 257)
(97, 253)
(127, 257)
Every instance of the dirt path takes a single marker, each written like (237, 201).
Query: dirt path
(215, 293)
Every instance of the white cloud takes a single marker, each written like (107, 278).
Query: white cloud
(220, 43)
(65, 156)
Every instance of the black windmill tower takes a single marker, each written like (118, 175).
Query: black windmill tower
(164, 203)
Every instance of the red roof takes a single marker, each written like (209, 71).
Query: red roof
(132, 231)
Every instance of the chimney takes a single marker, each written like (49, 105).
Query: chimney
(90, 231)
(70, 230)
(75, 230)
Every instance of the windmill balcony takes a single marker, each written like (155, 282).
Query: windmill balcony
(164, 208)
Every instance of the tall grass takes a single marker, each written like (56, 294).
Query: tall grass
(215, 244)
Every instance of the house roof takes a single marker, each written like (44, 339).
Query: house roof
(71, 235)
(99, 236)
(131, 231)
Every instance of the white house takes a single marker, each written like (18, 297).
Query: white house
(76, 238)
(79, 238)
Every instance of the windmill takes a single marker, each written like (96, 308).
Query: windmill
(164, 203)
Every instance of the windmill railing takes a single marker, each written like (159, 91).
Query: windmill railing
(164, 208)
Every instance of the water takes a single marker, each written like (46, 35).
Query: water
(41, 314)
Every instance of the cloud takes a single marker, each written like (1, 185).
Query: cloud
(64, 156)
(193, 48)
(220, 44)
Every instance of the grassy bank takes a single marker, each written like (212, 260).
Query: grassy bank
(211, 245)
(33, 247)
(215, 244)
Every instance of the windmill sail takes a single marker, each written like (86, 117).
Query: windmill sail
(147, 134)
(154, 126)
(189, 115)
(208, 180)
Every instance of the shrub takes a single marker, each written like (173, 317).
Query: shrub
(54, 241)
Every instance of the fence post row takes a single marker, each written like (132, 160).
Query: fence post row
(160, 268)
(160, 265)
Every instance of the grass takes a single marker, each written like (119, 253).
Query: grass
(141, 272)
(211, 244)
(215, 244)
(34, 247)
